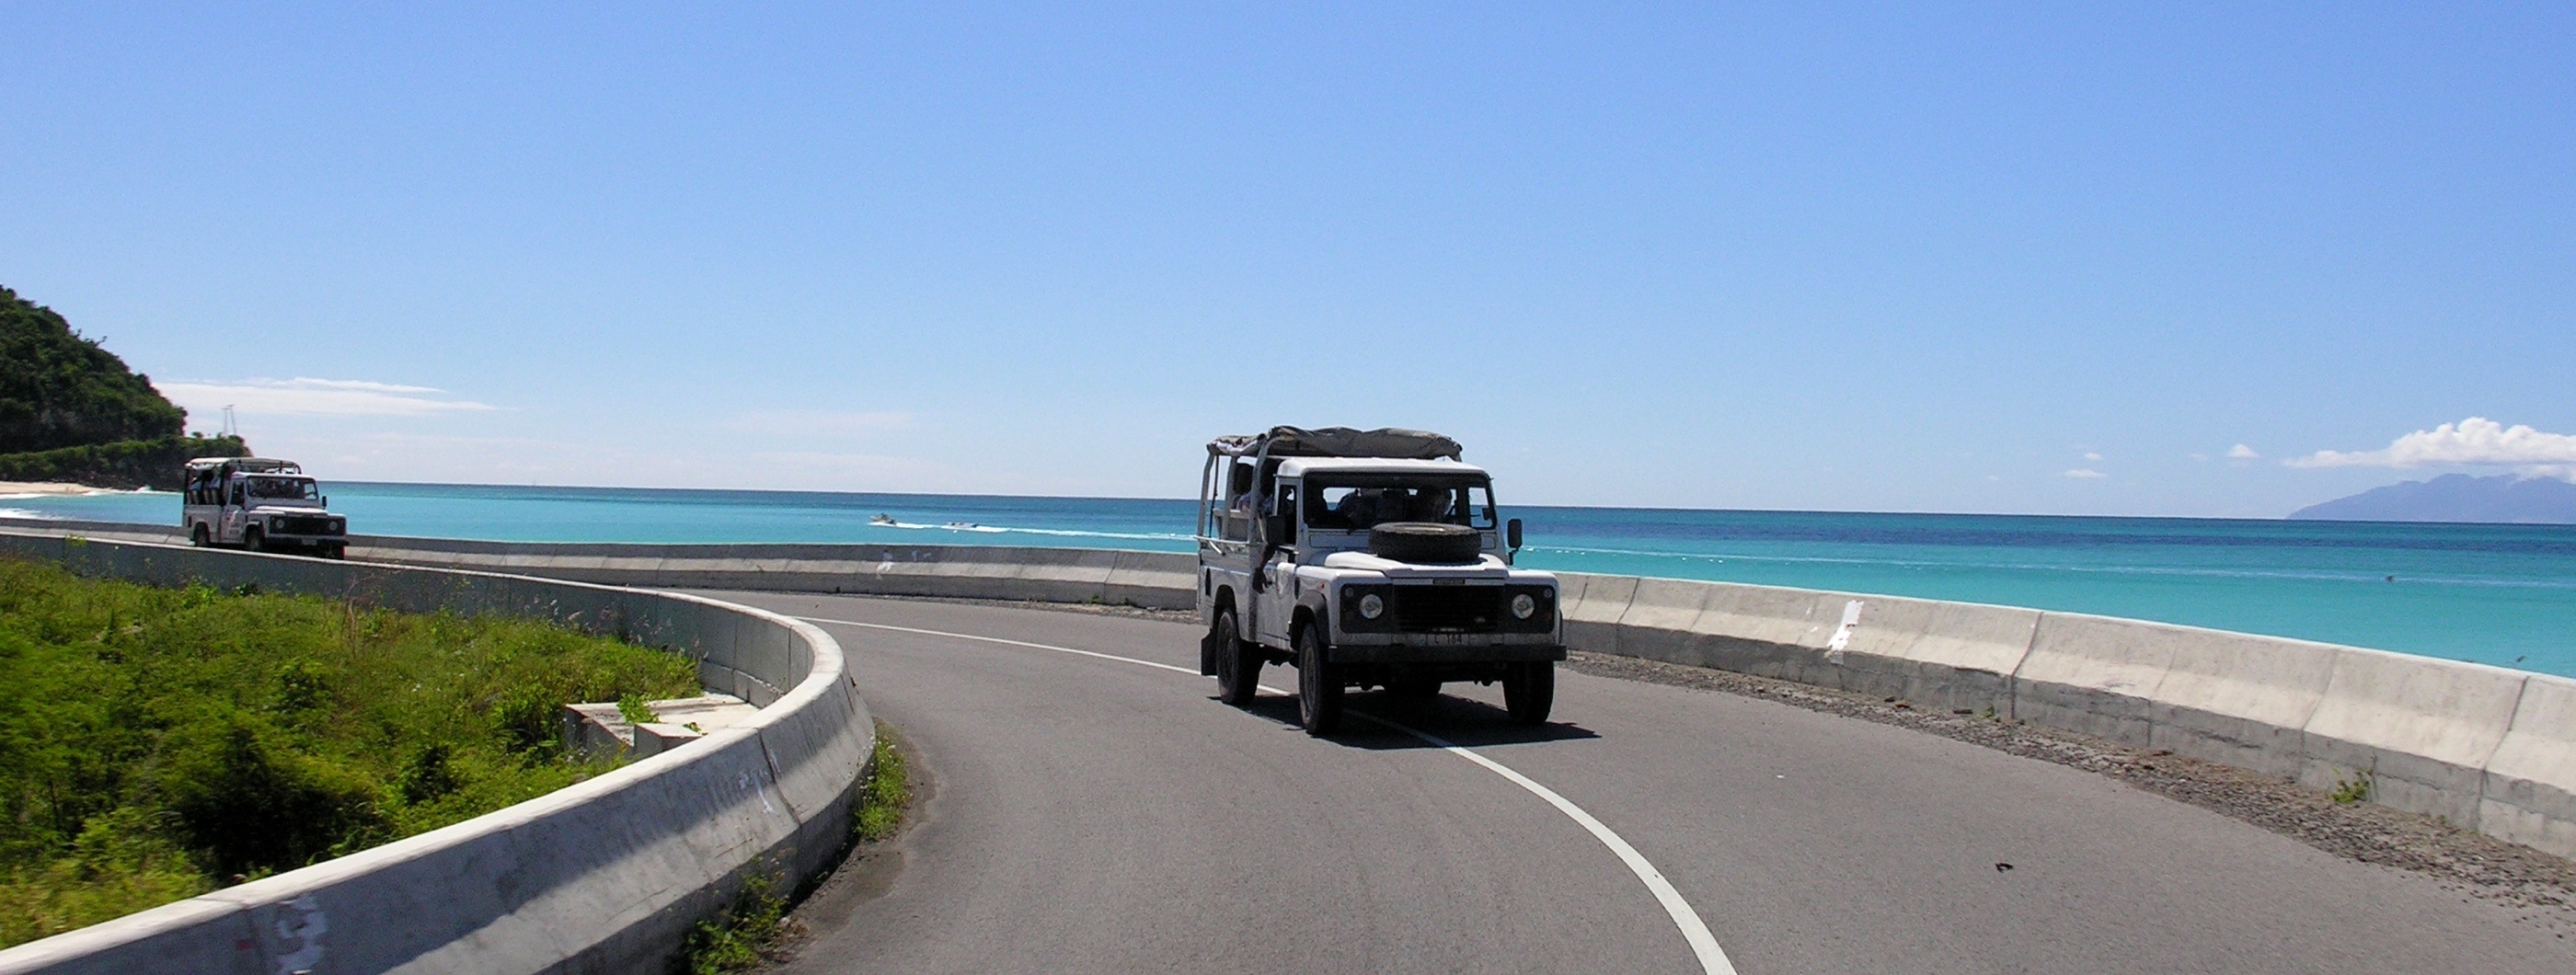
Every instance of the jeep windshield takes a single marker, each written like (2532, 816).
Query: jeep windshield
(1358, 502)
(283, 489)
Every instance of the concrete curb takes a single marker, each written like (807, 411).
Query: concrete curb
(606, 875)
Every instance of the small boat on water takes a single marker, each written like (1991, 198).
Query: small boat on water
(961, 525)
(881, 520)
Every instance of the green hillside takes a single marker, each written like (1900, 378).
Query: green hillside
(72, 411)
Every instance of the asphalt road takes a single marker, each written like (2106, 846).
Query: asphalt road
(1093, 814)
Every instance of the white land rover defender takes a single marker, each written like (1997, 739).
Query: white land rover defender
(260, 504)
(1366, 559)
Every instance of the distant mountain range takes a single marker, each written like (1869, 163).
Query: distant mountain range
(2457, 497)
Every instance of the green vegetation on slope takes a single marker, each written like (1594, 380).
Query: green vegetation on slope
(164, 742)
(58, 389)
(124, 464)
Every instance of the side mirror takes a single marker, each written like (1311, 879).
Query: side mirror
(1512, 533)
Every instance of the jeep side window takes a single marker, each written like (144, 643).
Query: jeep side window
(237, 494)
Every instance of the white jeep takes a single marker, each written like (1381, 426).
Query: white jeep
(1366, 559)
(259, 504)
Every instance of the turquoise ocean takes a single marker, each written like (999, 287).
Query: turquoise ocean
(2495, 594)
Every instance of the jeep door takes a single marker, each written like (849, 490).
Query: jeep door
(1275, 605)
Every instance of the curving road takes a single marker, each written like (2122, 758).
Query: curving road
(1094, 812)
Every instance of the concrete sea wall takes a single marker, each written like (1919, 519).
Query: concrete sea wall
(607, 875)
(2483, 747)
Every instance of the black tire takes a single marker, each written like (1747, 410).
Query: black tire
(1413, 688)
(1319, 689)
(1529, 691)
(1425, 542)
(254, 539)
(1238, 661)
(335, 551)
(199, 537)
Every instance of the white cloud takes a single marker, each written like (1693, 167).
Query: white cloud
(304, 396)
(2089, 455)
(2473, 441)
(2085, 474)
(2241, 452)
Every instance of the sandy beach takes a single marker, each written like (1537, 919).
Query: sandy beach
(34, 488)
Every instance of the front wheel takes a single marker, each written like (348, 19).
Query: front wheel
(1238, 661)
(335, 551)
(1319, 689)
(254, 540)
(1529, 691)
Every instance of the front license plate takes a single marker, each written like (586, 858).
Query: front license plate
(1444, 639)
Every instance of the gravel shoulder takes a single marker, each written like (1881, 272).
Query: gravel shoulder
(2471, 862)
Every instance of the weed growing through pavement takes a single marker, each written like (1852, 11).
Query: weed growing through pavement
(744, 935)
(755, 929)
(883, 795)
(2355, 789)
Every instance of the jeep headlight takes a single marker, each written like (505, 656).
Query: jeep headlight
(1372, 607)
(276, 523)
(1523, 606)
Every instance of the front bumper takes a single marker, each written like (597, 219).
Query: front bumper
(304, 541)
(1440, 649)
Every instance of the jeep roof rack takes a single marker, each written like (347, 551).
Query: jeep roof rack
(247, 465)
(1338, 442)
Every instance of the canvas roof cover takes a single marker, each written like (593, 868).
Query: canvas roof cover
(1340, 442)
(253, 465)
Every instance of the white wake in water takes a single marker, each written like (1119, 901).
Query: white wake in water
(1058, 532)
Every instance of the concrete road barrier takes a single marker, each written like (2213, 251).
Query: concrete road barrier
(1159, 580)
(2484, 747)
(605, 875)
(2529, 795)
(2425, 733)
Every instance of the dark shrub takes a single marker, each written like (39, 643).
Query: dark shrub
(248, 807)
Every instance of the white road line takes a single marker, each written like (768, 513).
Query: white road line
(1712, 959)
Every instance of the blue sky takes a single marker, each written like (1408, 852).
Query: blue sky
(1954, 257)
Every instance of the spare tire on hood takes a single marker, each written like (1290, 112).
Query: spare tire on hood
(1425, 542)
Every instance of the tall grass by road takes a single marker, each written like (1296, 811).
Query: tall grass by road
(158, 743)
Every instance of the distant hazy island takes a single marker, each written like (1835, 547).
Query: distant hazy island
(2457, 497)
